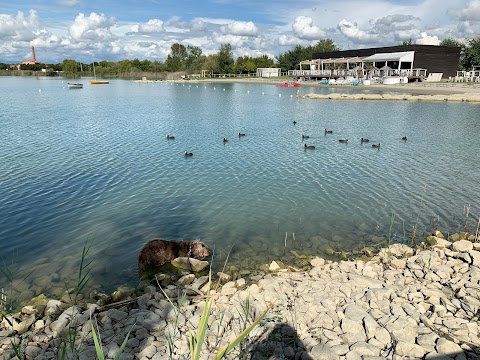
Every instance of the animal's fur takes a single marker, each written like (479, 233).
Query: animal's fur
(158, 252)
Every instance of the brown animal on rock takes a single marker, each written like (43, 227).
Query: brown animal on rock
(158, 252)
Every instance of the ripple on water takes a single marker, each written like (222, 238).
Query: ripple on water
(97, 166)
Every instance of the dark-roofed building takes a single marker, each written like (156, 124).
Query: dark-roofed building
(415, 62)
(435, 59)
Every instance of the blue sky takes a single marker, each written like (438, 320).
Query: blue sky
(115, 30)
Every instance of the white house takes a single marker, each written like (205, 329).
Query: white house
(268, 72)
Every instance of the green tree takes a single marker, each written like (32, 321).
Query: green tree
(211, 63)
(471, 56)
(194, 58)
(324, 45)
(407, 42)
(263, 62)
(292, 58)
(225, 59)
(245, 65)
(452, 42)
(176, 60)
(70, 67)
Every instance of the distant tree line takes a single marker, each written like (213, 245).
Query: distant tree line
(191, 60)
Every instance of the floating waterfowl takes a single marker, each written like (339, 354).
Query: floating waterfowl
(404, 138)
(328, 131)
(377, 146)
(364, 140)
(305, 137)
(241, 134)
(310, 147)
(294, 122)
(343, 141)
(188, 154)
(225, 140)
(170, 137)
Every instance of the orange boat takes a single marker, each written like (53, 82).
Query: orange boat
(97, 82)
(288, 84)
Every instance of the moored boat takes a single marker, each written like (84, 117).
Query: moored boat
(75, 85)
(288, 84)
(98, 82)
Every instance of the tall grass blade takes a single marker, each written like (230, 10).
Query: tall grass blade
(120, 351)
(98, 345)
(229, 347)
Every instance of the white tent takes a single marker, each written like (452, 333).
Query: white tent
(404, 56)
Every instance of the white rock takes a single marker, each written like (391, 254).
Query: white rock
(186, 263)
(410, 350)
(462, 246)
(353, 355)
(382, 335)
(365, 349)
(475, 255)
(186, 280)
(441, 243)
(365, 282)
(323, 352)
(318, 261)
(400, 250)
(447, 347)
(274, 266)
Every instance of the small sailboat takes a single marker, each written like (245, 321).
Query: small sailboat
(97, 82)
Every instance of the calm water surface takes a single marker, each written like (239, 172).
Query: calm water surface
(94, 165)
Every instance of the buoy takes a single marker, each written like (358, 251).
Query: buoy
(223, 89)
(248, 91)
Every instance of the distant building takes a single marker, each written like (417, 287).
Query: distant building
(31, 62)
(268, 72)
(436, 59)
(411, 61)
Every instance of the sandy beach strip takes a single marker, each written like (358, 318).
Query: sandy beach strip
(457, 92)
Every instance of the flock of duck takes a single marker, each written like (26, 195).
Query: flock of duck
(188, 153)
(344, 141)
(304, 137)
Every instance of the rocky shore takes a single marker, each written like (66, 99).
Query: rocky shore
(391, 97)
(402, 303)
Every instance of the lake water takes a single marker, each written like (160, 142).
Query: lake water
(94, 165)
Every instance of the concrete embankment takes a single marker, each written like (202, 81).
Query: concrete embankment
(402, 303)
(395, 97)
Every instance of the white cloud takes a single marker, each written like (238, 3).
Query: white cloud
(240, 28)
(198, 25)
(234, 40)
(427, 40)
(352, 32)
(285, 40)
(19, 27)
(303, 28)
(92, 28)
(471, 12)
(153, 26)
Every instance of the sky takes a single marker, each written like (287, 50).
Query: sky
(87, 31)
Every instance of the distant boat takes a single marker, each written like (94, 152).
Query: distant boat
(288, 84)
(97, 82)
(75, 85)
